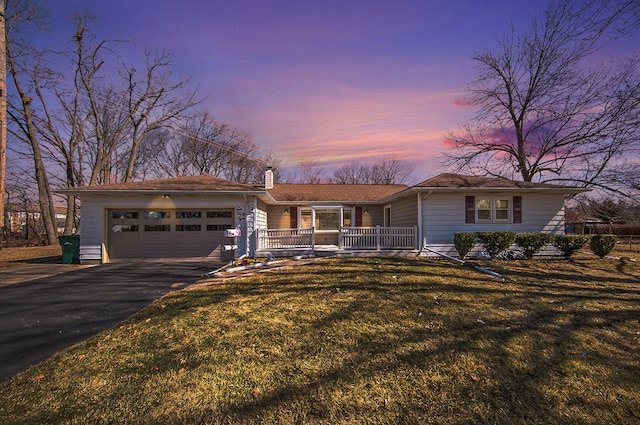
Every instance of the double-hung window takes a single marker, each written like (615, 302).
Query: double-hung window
(492, 209)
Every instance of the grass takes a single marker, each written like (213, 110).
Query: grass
(30, 253)
(376, 341)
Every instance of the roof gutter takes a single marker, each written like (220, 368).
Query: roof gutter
(80, 192)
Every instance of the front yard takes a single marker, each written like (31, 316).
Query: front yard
(379, 341)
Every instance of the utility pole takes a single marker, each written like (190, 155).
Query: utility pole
(3, 118)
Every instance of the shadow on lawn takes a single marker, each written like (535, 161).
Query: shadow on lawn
(536, 348)
(380, 341)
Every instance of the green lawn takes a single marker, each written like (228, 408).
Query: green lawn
(375, 341)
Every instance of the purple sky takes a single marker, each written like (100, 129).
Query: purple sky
(328, 81)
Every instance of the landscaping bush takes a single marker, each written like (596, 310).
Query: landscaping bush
(532, 242)
(568, 244)
(464, 242)
(602, 245)
(496, 242)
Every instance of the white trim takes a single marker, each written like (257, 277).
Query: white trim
(493, 200)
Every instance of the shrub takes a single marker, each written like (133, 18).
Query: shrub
(532, 242)
(496, 242)
(568, 244)
(464, 242)
(602, 245)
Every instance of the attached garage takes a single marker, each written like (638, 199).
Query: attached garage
(182, 217)
(168, 233)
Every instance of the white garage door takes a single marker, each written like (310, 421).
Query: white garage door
(181, 233)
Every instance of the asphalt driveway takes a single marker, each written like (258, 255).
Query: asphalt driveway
(43, 316)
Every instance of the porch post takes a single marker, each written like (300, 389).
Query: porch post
(340, 237)
(313, 240)
(257, 239)
(416, 237)
(378, 237)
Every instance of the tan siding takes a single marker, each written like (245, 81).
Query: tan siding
(277, 218)
(404, 212)
(373, 217)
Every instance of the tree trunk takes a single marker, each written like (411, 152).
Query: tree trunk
(44, 190)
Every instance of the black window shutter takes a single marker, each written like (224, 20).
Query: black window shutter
(517, 209)
(470, 209)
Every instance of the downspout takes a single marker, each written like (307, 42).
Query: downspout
(246, 225)
(421, 236)
(255, 225)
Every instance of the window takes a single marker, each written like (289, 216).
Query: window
(123, 215)
(502, 209)
(305, 219)
(188, 214)
(346, 218)
(157, 214)
(117, 228)
(157, 228)
(188, 227)
(327, 219)
(220, 214)
(493, 209)
(217, 227)
(483, 208)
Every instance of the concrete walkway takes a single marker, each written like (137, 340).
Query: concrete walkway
(43, 316)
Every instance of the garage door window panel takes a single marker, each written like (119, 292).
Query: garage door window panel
(188, 227)
(219, 214)
(124, 215)
(155, 215)
(218, 227)
(188, 214)
(117, 228)
(157, 228)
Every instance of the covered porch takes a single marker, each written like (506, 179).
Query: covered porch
(365, 240)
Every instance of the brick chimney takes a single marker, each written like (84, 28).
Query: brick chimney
(268, 178)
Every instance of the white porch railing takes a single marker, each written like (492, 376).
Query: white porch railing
(378, 237)
(286, 238)
(348, 238)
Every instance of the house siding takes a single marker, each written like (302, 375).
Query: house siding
(277, 218)
(374, 215)
(444, 214)
(404, 212)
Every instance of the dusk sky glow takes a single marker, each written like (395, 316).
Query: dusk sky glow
(328, 81)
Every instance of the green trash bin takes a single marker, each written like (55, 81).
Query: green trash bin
(70, 248)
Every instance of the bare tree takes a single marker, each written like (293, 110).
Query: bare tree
(23, 64)
(546, 111)
(308, 172)
(123, 113)
(202, 145)
(387, 171)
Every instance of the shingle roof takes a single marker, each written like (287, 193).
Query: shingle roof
(453, 181)
(203, 183)
(333, 192)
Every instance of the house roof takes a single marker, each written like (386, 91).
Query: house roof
(333, 192)
(293, 192)
(459, 181)
(198, 184)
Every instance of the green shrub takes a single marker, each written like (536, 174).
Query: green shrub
(568, 244)
(601, 245)
(496, 242)
(464, 242)
(532, 242)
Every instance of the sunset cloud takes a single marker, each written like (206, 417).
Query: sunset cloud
(329, 81)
